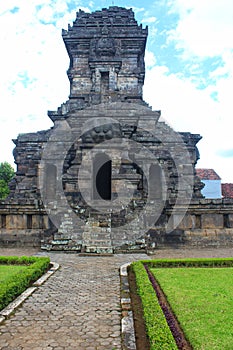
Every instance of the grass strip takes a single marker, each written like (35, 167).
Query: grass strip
(202, 299)
(19, 281)
(174, 326)
(158, 331)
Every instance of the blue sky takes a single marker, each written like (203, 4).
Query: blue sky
(189, 68)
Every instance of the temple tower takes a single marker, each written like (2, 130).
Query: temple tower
(106, 177)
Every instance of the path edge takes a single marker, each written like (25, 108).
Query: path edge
(10, 308)
(127, 323)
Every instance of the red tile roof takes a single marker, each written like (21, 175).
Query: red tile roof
(207, 174)
(227, 190)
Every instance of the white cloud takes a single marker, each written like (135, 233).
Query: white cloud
(150, 59)
(149, 20)
(136, 9)
(186, 108)
(181, 103)
(33, 69)
(205, 28)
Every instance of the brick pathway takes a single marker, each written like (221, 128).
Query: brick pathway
(78, 308)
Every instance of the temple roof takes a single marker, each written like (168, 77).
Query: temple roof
(120, 18)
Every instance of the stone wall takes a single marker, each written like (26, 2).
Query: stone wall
(23, 225)
(207, 223)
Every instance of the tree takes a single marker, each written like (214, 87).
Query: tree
(6, 174)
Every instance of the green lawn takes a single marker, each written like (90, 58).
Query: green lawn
(7, 271)
(202, 299)
(17, 274)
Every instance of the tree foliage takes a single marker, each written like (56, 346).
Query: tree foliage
(6, 174)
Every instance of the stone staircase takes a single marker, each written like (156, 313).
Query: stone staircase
(97, 235)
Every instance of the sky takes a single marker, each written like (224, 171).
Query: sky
(189, 68)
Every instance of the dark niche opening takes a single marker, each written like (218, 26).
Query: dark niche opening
(104, 81)
(50, 181)
(155, 182)
(102, 177)
(29, 221)
(3, 221)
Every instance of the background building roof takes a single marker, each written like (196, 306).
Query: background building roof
(227, 190)
(207, 174)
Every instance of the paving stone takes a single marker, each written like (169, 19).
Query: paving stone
(69, 312)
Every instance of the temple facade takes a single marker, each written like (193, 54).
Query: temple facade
(109, 176)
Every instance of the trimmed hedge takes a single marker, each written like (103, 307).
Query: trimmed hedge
(158, 331)
(16, 260)
(201, 262)
(20, 281)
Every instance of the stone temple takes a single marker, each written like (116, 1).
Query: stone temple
(109, 176)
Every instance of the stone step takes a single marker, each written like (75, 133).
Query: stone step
(61, 247)
(99, 243)
(60, 242)
(98, 250)
(96, 235)
(97, 230)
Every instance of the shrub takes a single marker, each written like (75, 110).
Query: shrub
(20, 281)
(158, 331)
(6, 174)
(201, 262)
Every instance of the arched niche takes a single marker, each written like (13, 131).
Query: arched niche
(102, 177)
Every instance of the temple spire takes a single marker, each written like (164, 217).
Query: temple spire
(106, 50)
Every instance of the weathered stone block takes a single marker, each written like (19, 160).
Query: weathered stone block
(36, 222)
(230, 220)
(15, 222)
(184, 222)
(212, 221)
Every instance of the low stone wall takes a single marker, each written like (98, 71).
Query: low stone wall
(22, 225)
(207, 223)
(21, 238)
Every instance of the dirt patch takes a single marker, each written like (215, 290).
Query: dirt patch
(142, 341)
(19, 251)
(192, 253)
